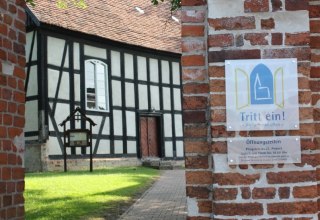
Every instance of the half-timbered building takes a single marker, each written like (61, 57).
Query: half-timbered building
(119, 61)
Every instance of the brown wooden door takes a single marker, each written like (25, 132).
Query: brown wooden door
(149, 139)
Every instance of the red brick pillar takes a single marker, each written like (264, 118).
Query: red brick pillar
(12, 108)
(196, 105)
(248, 29)
(314, 13)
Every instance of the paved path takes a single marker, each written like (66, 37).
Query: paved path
(165, 200)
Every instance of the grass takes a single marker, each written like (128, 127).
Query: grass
(81, 194)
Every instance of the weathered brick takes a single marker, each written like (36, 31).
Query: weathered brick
(7, 200)
(305, 96)
(256, 38)
(198, 192)
(290, 208)
(194, 74)
(308, 144)
(235, 209)
(205, 206)
(234, 23)
(197, 162)
(193, 60)
(18, 173)
(218, 100)
(217, 85)
(245, 193)
(267, 24)
(305, 191)
(198, 177)
(305, 130)
(284, 192)
(276, 5)
(193, 2)
(305, 113)
(221, 56)
(195, 131)
(301, 53)
(198, 217)
(192, 30)
(264, 193)
(220, 131)
(200, 147)
(297, 39)
(3, 160)
(315, 26)
(220, 40)
(315, 72)
(194, 117)
(290, 177)
(193, 16)
(295, 5)
(239, 41)
(216, 71)
(310, 159)
(218, 115)
(194, 45)
(315, 42)
(256, 6)
(219, 147)
(225, 194)
(195, 102)
(314, 11)
(235, 178)
(195, 88)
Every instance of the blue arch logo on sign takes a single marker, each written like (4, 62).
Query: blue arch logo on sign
(262, 94)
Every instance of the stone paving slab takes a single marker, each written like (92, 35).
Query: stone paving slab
(165, 200)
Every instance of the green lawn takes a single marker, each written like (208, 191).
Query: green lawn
(82, 195)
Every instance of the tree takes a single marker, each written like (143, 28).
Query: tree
(175, 4)
(65, 3)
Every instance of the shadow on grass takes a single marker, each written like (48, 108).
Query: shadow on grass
(81, 207)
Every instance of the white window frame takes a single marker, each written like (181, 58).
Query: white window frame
(106, 85)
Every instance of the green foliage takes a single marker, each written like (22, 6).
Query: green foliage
(83, 195)
(30, 2)
(64, 3)
(67, 3)
(175, 4)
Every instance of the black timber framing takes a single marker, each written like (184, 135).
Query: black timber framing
(173, 124)
(123, 100)
(122, 48)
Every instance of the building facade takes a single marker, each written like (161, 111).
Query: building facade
(12, 108)
(214, 31)
(130, 88)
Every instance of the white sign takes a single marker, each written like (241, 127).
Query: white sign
(264, 150)
(262, 94)
(78, 138)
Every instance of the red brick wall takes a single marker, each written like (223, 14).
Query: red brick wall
(12, 97)
(314, 13)
(249, 29)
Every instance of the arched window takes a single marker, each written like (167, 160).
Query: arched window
(97, 95)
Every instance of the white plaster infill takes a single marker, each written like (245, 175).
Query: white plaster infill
(192, 205)
(7, 68)
(225, 8)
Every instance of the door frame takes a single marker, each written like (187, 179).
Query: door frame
(159, 117)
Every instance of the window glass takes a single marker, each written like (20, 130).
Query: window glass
(96, 85)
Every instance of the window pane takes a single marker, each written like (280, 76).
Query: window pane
(96, 85)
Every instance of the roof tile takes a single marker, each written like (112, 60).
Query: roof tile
(117, 20)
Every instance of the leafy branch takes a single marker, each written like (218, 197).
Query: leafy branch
(175, 4)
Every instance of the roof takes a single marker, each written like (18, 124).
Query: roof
(134, 22)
